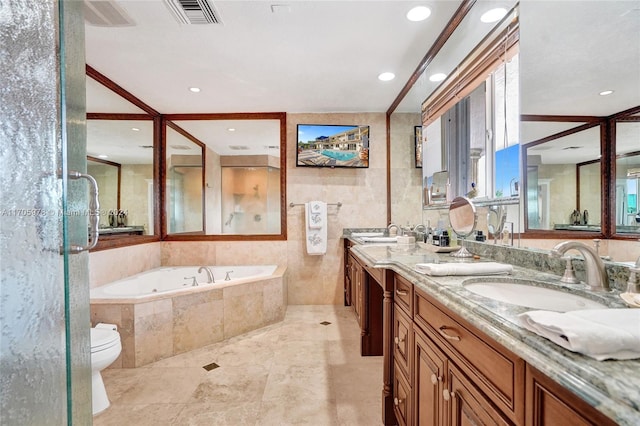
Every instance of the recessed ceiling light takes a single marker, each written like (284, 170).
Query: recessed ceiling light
(231, 129)
(135, 129)
(606, 92)
(103, 156)
(493, 15)
(418, 13)
(437, 77)
(194, 89)
(386, 76)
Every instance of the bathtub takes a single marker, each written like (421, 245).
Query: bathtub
(160, 314)
(163, 282)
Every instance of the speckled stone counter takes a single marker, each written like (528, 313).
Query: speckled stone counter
(613, 387)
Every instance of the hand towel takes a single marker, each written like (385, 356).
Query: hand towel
(316, 227)
(598, 333)
(476, 268)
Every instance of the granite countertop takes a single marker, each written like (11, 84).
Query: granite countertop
(613, 387)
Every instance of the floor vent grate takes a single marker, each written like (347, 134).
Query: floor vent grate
(211, 366)
(325, 323)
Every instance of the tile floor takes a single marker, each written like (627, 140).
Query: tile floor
(297, 372)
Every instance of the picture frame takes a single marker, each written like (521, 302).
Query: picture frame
(417, 143)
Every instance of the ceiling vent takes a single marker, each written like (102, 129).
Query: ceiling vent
(106, 13)
(194, 12)
(180, 147)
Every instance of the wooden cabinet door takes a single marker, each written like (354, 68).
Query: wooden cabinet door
(429, 375)
(467, 405)
(549, 404)
(401, 398)
(402, 340)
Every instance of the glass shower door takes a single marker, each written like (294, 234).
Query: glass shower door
(45, 370)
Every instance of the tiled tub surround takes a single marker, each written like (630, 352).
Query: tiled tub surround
(164, 325)
(613, 387)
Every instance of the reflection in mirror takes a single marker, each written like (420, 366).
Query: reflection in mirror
(184, 186)
(496, 218)
(128, 143)
(563, 179)
(463, 219)
(627, 212)
(107, 176)
(242, 178)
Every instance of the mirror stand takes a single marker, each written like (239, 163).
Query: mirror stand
(463, 219)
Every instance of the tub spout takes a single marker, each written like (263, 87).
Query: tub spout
(210, 279)
(597, 277)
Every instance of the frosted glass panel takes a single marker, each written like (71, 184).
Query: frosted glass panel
(33, 355)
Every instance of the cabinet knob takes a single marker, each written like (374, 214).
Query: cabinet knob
(435, 379)
(447, 395)
(399, 340)
(397, 401)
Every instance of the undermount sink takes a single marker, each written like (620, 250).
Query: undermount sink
(367, 234)
(531, 296)
(379, 239)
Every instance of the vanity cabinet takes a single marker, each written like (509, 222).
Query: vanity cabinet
(548, 403)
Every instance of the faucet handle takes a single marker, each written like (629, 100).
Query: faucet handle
(569, 276)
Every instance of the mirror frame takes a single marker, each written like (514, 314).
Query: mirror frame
(152, 115)
(282, 117)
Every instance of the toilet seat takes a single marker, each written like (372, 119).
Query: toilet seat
(103, 338)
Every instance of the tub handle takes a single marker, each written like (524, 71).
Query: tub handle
(227, 277)
(94, 213)
(194, 283)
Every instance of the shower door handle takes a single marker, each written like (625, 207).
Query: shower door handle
(94, 214)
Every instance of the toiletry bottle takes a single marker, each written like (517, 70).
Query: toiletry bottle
(444, 239)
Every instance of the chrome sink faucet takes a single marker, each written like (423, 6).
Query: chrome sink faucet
(210, 279)
(394, 230)
(597, 278)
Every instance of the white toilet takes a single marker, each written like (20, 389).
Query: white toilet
(105, 348)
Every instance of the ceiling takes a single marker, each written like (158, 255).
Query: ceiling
(302, 56)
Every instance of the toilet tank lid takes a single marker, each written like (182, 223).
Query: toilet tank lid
(101, 337)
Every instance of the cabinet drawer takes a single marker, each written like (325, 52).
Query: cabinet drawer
(495, 370)
(401, 398)
(402, 340)
(403, 294)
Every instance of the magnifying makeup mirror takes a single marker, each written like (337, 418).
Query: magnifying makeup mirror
(463, 219)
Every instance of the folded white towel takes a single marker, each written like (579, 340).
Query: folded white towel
(598, 333)
(475, 268)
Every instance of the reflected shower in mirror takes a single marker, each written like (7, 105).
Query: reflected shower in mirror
(242, 179)
(463, 219)
(126, 145)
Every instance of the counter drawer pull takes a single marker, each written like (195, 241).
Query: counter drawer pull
(435, 379)
(401, 292)
(447, 336)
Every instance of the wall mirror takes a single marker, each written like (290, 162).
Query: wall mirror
(122, 136)
(563, 178)
(627, 187)
(240, 175)
(184, 183)
(122, 152)
(571, 104)
(464, 32)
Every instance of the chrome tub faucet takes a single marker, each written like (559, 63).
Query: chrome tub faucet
(210, 279)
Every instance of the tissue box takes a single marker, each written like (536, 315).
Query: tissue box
(406, 240)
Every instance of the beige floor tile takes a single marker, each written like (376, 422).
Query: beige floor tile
(139, 415)
(296, 372)
(219, 414)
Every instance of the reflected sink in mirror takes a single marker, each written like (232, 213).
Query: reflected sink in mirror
(367, 234)
(527, 294)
